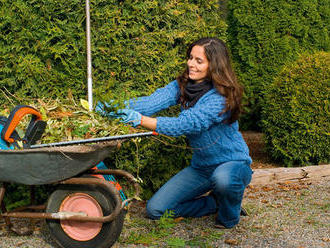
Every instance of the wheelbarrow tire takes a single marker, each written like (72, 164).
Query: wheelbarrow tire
(108, 233)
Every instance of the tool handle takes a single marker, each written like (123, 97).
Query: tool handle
(15, 117)
(95, 140)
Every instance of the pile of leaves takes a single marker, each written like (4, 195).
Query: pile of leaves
(69, 120)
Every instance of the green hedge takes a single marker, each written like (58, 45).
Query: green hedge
(137, 46)
(42, 48)
(297, 114)
(265, 35)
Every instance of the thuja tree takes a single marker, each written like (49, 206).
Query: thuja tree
(296, 113)
(265, 35)
(137, 46)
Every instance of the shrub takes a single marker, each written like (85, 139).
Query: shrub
(152, 160)
(42, 48)
(296, 114)
(266, 35)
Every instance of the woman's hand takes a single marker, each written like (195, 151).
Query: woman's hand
(128, 116)
(102, 108)
(135, 119)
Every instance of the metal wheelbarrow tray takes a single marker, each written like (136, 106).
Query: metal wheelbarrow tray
(52, 164)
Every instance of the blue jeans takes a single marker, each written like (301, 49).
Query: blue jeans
(182, 193)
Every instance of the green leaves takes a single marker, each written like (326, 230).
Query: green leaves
(296, 111)
(137, 46)
(144, 42)
(266, 35)
(39, 52)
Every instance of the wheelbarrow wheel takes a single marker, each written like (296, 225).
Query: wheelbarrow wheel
(93, 200)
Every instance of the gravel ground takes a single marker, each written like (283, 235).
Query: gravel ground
(293, 215)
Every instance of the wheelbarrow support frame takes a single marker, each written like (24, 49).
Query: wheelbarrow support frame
(77, 216)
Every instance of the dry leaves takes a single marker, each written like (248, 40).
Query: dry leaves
(68, 120)
(231, 242)
(179, 219)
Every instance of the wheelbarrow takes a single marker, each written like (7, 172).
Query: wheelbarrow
(85, 210)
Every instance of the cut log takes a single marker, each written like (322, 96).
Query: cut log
(278, 175)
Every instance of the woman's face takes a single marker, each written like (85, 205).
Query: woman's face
(198, 64)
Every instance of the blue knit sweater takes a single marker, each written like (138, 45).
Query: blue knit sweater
(212, 141)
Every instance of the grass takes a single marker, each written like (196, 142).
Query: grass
(175, 242)
(166, 233)
(154, 233)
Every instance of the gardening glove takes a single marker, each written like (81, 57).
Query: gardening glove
(101, 108)
(129, 116)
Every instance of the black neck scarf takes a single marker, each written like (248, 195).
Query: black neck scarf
(194, 91)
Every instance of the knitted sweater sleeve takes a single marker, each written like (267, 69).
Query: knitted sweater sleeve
(161, 99)
(194, 120)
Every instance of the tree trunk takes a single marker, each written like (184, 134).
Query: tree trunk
(278, 175)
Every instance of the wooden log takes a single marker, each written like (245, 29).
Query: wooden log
(278, 175)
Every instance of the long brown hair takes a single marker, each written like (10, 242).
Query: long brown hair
(220, 72)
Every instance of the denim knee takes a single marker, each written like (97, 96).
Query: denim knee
(153, 211)
(222, 185)
(222, 182)
(232, 177)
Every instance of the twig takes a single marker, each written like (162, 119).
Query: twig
(7, 95)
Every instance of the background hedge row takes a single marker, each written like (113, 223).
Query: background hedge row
(296, 118)
(137, 46)
(266, 35)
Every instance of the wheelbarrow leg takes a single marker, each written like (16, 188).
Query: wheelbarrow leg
(8, 223)
(32, 195)
(3, 207)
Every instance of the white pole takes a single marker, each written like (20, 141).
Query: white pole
(89, 58)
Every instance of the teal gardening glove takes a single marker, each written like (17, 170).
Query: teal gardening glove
(102, 108)
(129, 116)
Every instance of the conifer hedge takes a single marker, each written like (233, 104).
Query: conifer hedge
(296, 113)
(265, 35)
(137, 46)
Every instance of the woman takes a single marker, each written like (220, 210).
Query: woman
(210, 99)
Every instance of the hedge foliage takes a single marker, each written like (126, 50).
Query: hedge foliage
(137, 46)
(296, 116)
(266, 35)
(41, 47)
(152, 160)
